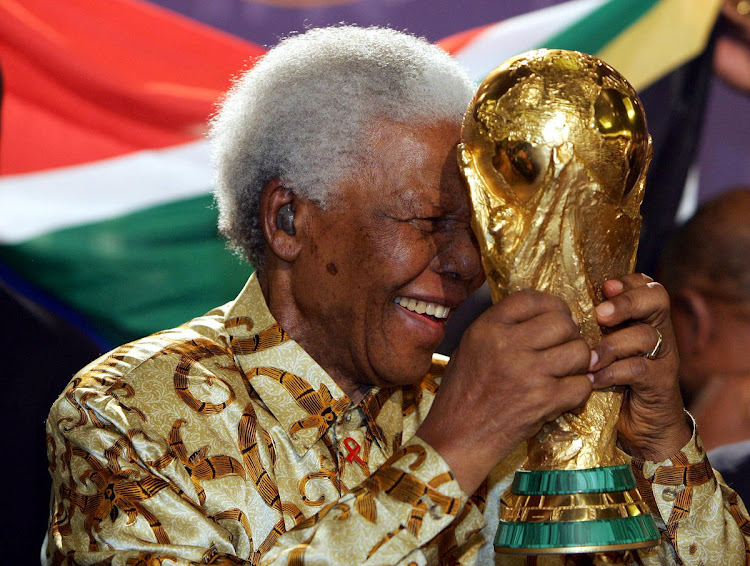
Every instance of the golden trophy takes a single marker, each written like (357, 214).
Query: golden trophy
(555, 151)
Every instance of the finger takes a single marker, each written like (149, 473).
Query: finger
(572, 358)
(647, 302)
(629, 371)
(524, 305)
(635, 340)
(569, 393)
(549, 329)
(614, 287)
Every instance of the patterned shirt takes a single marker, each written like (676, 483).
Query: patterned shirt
(223, 442)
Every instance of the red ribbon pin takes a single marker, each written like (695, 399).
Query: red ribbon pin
(352, 449)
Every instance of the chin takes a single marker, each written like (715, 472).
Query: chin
(412, 369)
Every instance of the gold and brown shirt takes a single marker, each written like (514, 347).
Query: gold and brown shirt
(223, 442)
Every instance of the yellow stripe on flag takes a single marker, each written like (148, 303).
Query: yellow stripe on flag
(668, 35)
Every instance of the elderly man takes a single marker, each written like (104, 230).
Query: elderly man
(308, 421)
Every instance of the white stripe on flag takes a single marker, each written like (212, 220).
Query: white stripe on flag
(33, 204)
(516, 35)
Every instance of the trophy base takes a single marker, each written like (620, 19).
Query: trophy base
(574, 512)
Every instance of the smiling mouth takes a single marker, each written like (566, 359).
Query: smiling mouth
(434, 310)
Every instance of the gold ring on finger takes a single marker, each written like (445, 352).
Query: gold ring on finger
(654, 353)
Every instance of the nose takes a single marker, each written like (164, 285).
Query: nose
(458, 256)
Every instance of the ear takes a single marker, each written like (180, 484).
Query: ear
(692, 312)
(274, 195)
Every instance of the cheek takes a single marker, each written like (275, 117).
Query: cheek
(411, 254)
(378, 261)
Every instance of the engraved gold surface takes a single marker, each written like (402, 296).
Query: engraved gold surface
(555, 151)
(573, 507)
(608, 556)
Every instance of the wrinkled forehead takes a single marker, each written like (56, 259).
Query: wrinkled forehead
(413, 163)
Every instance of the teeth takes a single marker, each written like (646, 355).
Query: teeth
(422, 307)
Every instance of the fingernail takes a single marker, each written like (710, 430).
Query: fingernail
(591, 377)
(575, 320)
(605, 309)
(594, 359)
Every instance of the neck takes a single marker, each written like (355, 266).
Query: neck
(276, 287)
(722, 410)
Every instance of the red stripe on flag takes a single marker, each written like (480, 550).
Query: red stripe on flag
(90, 80)
(456, 42)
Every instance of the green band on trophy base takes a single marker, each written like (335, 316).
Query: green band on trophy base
(556, 482)
(595, 534)
(576, 536)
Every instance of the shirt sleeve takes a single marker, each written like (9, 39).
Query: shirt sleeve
(120, 496)
(701, 520)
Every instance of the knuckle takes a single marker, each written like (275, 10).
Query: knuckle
(584, 391)
(638, 278)
(533, 296)
(559, 304)
(641, 368)
(553, 410)
(583, 348)
(538, 406)
(627, 301)
(607, 349)
(648, 337)
(604, 378)
(473, 334)
(516, 305)
(574, 393)
(526, 295)
(562, 325)
(660, 291)
(582, 351)
(637, 368)
(655, 285)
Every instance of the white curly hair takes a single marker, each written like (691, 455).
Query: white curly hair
(303, 111)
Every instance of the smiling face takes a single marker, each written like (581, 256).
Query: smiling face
(387, 261)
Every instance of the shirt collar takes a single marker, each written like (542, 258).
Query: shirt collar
(302, 397)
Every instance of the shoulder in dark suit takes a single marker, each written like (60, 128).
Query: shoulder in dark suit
(733, 461)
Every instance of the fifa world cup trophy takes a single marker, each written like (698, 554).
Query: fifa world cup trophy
(555, 151)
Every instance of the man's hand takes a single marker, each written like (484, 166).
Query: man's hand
(520, 364)
(652, 423)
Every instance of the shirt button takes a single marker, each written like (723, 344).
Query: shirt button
(649, 550)
(670, 493)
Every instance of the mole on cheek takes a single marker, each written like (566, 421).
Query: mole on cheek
(332, 269)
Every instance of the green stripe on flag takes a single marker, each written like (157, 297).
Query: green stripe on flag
(643, 39)
(138, 273)
(594, 31)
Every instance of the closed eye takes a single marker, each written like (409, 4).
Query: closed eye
(429, 224)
